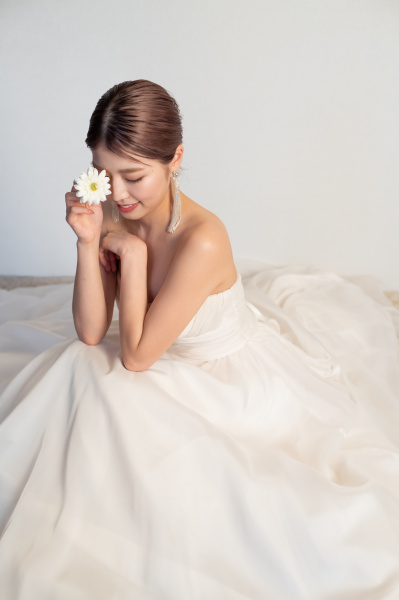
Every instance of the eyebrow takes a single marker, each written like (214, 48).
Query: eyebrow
(129, 170)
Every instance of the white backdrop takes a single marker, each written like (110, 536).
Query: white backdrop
(290, 116)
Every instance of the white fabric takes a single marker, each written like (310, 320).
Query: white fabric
(257, 459)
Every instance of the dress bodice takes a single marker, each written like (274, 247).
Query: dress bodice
(222, 325)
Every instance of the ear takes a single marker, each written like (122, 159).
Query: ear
(178, 157)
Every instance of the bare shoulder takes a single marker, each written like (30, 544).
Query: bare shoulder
(205, 227)
(205, 234)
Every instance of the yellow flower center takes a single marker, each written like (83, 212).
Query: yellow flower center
(93, 186)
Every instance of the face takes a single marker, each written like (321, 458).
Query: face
(138, 188)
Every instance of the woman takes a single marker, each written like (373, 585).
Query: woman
(177, 270)
(233, 435)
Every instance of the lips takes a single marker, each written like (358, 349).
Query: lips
(125, 208)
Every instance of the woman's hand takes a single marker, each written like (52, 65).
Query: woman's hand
(86, 221)
(117, 244)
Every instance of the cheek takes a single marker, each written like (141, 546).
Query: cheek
(152, 188)
(144, 190)
(140, 190)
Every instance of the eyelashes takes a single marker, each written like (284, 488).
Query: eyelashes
(128, 180)
(134, 180)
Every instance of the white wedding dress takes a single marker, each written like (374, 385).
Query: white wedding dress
(257, 459)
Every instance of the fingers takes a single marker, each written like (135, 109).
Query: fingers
(112, 261)
(80, 210)
(105, 242)
(74, 204)
(108, 259)
(71, 198)
(103, 259)
(72, 213)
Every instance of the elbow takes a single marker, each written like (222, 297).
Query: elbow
(90, 340)
(135, 365)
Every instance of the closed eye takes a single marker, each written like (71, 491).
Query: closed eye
(134, 180)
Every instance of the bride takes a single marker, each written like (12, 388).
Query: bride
(182, 424)
(135, 134)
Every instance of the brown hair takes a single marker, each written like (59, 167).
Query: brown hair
(137, 117)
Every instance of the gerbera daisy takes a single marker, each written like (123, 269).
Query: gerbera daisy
(92, 187)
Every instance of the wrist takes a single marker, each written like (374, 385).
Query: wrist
(136, 248)
(94, 244)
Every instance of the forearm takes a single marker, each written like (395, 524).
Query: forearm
(133, 303)
(88, 305)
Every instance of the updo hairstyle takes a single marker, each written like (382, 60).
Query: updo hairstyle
(137, 118)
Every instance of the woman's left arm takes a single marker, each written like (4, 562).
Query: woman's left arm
(193, 275)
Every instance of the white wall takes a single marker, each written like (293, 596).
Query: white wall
(290, 115)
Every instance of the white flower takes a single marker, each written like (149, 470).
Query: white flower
(92, 187)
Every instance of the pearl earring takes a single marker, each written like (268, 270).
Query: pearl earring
(176, 212)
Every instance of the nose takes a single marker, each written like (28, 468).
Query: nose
(119, 190)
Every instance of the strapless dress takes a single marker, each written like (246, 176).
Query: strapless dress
(256, 459)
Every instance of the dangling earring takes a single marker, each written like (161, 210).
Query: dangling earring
(176, 212)
(115, 212)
